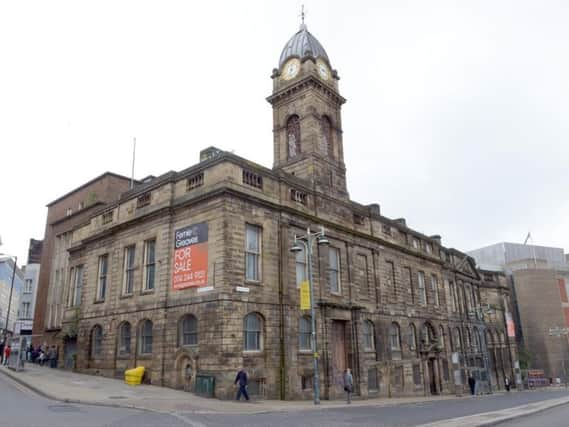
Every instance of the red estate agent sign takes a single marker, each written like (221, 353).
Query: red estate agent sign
(190, 257)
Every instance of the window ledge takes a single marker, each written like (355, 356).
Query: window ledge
(99, 301)
(252, 352)
(125, 356)
(253, 282)
(305, 352)
(147, 291)
(145, 356)
(125, 296)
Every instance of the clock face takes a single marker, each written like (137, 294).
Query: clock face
(323, 70)
(291, 69)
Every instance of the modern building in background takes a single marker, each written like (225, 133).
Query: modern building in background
(24, 324)
(190, 274)
(539, 278)
(7, 266)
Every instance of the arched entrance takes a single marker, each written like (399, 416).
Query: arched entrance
(186, 369)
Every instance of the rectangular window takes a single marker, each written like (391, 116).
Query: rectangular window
(301, 264)
(372, 380)
(128, 270)
(143, 200)
(253, 253)
(78, 284)
(435, 289)
(410, 283)
(391, 275)
(334, 270)
(253, 179)
(421, 288)
(194, 181)
(362, 275)
(28, 286)
(453, 302)
(446, 374)
(306, 382)
(26, 310)
(107, 217)
(149, 264)
(398, 376)
(417, 374)
(102, 281)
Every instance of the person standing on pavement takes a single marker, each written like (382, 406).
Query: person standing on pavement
(348, 385)
(471, 384)
(7, 351)
(51, 356)
(242, 380)
(1, 351)
(507, 384)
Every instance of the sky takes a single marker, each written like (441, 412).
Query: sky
(457, 116)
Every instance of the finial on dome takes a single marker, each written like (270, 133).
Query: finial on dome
(302, 16)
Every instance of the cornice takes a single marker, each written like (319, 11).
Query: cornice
(304, 83)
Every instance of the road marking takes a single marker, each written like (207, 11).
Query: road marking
(186, 420)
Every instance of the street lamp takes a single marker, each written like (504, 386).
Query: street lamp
(307, 241)
(11, 290)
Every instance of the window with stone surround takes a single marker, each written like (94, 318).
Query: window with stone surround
(327, 142)
(252, 332)
(409, 275)
(102, 277)
(28, 286)
(362, 275)
(386, 229)
(435, 290)
(253, 235)
(298, 196)
(293, 136)
(442, 341)
(359, 219)
(305, 333)
(301, 266)
(334, 270)
(422, 292)
(394, 338)
(188, 330)
(398, 377)
(149, 264)
(391, 276)
(76, 285)
(96, 341)
(128, 270)
(372, 379)
(368, 333)
(124, 339)
(107, 217)
(306, 382)
(457, 340)
(145, 337)
(412, 339)
(452, 290)
(417, 374)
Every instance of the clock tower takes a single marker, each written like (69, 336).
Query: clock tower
(307, 124)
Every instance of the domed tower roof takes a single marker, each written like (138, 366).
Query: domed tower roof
(302, 45)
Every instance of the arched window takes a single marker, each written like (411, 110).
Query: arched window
(252, 332)
(489, 339)
(502, 339)
(188, 330)
(412, 338)
(293, 136)
(394, 337)
(457, 339)
(326, 141)
(145, 337)
(368, 334)
(124, 338)
(468, 340)
(475, 341)
(96, 341)
(427, 334)
(305, 333)
(441, 337)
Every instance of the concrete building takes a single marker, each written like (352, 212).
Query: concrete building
(12, 301)
(190, 274)
(539, 278)
(63, 214)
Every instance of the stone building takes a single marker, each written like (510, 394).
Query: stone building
(191, 273)
(63, 214)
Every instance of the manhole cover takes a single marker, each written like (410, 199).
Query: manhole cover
(63, 408)
(118, 397)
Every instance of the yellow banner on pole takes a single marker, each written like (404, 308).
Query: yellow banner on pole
(305, 295)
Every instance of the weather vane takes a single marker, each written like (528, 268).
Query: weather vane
(302, 14)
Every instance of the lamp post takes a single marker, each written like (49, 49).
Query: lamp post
(307, 242)
(11, 290)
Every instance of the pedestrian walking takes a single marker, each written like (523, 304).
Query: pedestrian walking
(51, 357)
(348, 385)
(41, 357)
(507, 384)
(241, 378)
(7, 351)
(471, 384)
(2, 352)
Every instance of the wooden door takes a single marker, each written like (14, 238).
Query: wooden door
(338, 351)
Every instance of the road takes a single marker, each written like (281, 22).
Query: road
(556, 417)
(20, 407)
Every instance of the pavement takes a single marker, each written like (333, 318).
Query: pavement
(72, 387)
